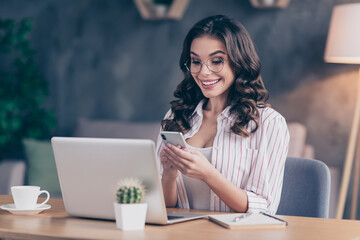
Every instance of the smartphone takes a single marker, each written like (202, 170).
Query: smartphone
(175, 138)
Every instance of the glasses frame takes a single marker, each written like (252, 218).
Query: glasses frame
(207, 65)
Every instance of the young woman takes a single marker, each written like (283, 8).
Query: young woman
(237, 144)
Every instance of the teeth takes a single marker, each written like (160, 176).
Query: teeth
(209, 83)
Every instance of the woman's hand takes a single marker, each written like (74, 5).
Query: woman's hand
(193, 164)
(170, 171)
(189, 162)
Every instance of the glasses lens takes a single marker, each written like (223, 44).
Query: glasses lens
(193, 65)
(215, 64)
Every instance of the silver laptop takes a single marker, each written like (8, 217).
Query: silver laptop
(89, 169)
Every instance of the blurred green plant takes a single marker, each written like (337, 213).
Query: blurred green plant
(22, 90)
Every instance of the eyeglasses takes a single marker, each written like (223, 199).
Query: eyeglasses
(214, 64)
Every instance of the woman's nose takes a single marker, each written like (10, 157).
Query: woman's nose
(205, 69)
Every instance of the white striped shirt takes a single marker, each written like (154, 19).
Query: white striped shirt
(254, 164)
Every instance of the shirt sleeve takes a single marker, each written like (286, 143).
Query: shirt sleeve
(264, 186)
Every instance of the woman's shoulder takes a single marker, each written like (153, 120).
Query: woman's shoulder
(268, 114)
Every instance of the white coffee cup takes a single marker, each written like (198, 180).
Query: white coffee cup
(25, 197)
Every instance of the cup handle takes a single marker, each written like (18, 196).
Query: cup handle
(46, 200)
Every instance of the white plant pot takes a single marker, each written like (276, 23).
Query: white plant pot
(130, 216)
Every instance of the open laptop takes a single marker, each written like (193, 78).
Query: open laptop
(89, 169)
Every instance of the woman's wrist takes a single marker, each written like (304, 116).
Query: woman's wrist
(169, 177)
(169, 189)
(210, 175)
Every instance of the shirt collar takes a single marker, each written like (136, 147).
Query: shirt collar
(226, 113)
(199, 108)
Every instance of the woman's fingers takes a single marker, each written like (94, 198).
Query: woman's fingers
(173, 157)
(168, 160)
(189, 162)
(166, 163)
(178, 153)
(179, 163)
(185, 166)
(182, 153)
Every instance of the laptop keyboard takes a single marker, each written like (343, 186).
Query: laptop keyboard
(174, 217)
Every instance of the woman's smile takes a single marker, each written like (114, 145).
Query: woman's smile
(209, 83)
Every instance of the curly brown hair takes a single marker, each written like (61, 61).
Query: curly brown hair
(246, 95)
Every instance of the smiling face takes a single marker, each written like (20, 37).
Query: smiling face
(207, 49)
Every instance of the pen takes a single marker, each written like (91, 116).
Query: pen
(268, 215)
(237, 218)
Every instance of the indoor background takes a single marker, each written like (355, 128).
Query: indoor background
(103, 61)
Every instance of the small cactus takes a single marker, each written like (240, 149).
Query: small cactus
(129, 190)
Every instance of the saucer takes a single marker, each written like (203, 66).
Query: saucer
(11, 208)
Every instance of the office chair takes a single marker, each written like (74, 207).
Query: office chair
(306, 188)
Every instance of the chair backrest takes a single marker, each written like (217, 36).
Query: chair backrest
(12, 173)
(306, 188)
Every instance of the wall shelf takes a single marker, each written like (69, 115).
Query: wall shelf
(150, 10)
(270, 3)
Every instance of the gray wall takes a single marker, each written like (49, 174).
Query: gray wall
(103, 61)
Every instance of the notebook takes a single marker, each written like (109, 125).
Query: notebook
(89, 169)
(248, 221)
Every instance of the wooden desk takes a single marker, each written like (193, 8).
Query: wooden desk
(56, 224)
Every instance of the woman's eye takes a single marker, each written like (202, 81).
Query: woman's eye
(217, 61)
(196, 62)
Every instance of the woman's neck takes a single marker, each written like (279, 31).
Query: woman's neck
(215, 106)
